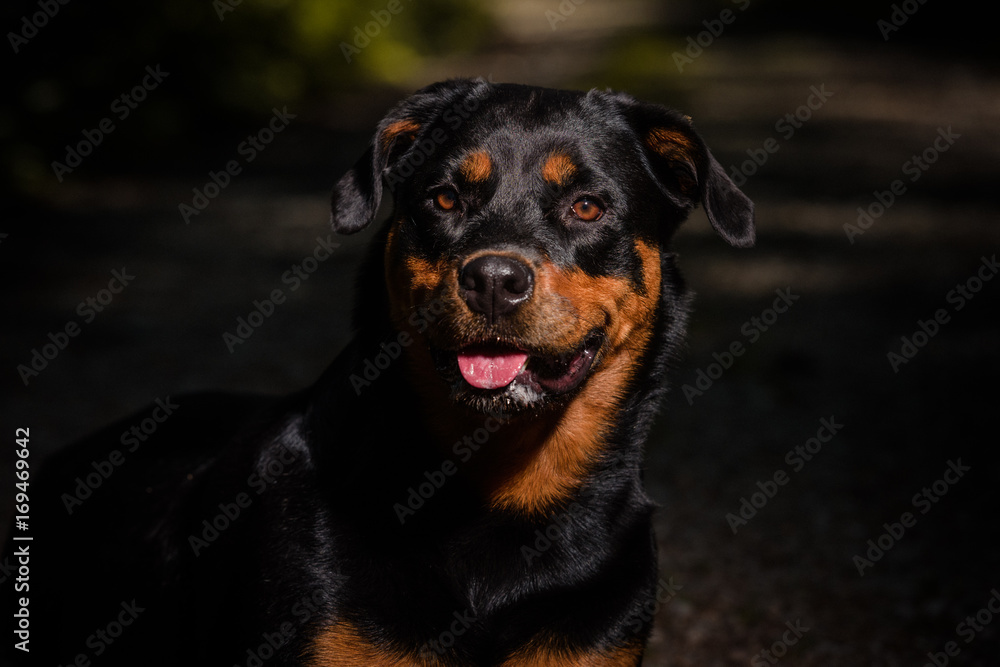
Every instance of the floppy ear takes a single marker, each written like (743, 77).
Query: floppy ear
(357, 195)
(687, 172)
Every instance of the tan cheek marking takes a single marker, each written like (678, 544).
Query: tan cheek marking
(638, 309)
(411, 281)
(394, 276)
(476, 167)
(559, 449)
(615, 304)
(571, 444)
(558, 169)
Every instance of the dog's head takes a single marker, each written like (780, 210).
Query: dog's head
(524, 249)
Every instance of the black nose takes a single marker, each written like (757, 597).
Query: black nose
(495, 285)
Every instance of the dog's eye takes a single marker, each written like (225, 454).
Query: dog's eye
(446, 199)
(587, 209)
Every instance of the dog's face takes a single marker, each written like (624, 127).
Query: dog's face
(524, 249)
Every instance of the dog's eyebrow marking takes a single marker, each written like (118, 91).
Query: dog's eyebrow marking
(476, 167)
(558, 169)
(397, 128)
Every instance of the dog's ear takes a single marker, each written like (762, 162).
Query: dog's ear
(357, 195)
(686, 171)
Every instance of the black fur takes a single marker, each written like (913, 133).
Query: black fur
(319, 540)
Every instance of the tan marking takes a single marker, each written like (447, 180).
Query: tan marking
(533, 464)
(558, 169)
(414, 285)
(571, 443)
(411, 281)
(476, 167)
(676, 146)
(408, 127)
(671, 144)
(342, 645)
(538, 654)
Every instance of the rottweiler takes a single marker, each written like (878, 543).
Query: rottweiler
(463, 485)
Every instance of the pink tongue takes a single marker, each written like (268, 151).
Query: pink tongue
(490, 370)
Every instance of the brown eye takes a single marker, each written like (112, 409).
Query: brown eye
(587, 209)
(446, 199)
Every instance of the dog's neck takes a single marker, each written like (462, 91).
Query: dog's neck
(530, 463)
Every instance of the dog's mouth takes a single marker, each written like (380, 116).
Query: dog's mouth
(498, 370)
(490, 366)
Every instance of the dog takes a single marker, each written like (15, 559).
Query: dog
(463, 485)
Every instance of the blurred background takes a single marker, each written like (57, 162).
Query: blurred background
(866, 133)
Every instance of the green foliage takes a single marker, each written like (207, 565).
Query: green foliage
(228, 60)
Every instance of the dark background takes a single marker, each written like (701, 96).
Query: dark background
(826, 357)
